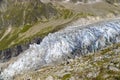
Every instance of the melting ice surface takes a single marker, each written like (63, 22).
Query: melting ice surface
(65, 44)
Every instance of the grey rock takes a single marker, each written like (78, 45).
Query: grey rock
(113, 68)
(92, 74)
(49, 78)
(7, 54)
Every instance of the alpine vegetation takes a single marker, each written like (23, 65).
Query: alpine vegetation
(64, 44)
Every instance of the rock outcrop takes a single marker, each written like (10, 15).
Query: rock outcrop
(7, 54)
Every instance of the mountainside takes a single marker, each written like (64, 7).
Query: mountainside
(81, 1)
(102, 65)
(25, 22)
(84, 1)
(36, 33)
(19, 17)
(65, 44)
(23, 13)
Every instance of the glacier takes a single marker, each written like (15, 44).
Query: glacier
(68, 43)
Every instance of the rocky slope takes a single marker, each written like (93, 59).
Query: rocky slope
(58, 14)
(19, 13)
(18, 16)
(65, 44)
(103, 65)
(26, 22)
(82, 1)
(7, 54)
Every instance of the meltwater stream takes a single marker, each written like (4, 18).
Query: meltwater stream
(63, 44)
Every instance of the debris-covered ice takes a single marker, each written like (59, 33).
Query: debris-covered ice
(63, 44)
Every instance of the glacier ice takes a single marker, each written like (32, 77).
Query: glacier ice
(61, 45)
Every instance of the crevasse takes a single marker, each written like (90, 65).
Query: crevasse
(64, 44)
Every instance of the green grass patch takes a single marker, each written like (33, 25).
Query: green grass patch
(8, 39)
(117, 77)
(105, 50)
(67, 13)
(84, 15)
(25, 28)
(66, 77)
(2, 33)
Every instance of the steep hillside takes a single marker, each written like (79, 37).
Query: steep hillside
(23, 22)
(103, 65)
(83, 1)
(20, 16)
(33, 35)
(66, 44)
